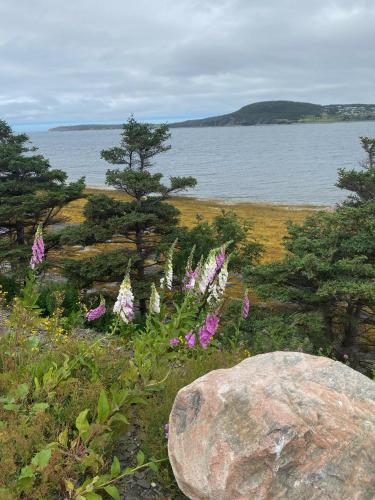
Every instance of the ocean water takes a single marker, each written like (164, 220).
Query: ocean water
(292, 164)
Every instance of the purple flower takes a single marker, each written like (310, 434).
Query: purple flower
(190, 278)
(211, 323)
(245, 306)
(190, 339)
(204, 337)
(174, 342)
(37, 249)
(208, 330)
(220, 257)
(166, 430)
(208, 273)
(97, 312)
(124, 303)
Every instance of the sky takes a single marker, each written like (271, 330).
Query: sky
(97, 61)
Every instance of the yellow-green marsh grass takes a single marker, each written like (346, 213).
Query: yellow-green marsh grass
(269, 219)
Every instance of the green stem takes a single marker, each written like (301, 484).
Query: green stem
(126, 473)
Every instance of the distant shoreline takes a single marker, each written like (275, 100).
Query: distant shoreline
(264, 113)
(87, 128)
(228, 202)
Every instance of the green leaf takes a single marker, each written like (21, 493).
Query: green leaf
(115, 467)
(93, 496)
(39, 407)
(63, 437)
(112, 491)
(140, 457)
(12, 407)
(153, 466)
(119, 396)
(37, 384)
(26, 478)
(26, 471)
(119, 417)
(21, 391)
(41, 459)
(32, 342)
(82, 424)
(103, 407)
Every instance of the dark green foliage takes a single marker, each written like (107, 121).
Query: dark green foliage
(10, 286)
(226, 226)
(137, 226)
(273, 329)
(104, 267)
(48, 301)
(361, 182)
(140, 142)
(31, 193)
(330, 269)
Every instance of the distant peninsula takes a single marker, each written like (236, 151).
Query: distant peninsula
(267, 113)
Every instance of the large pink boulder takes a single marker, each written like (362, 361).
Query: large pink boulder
(280, 425)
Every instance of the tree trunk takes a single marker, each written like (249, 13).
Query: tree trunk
(140, 266)
(20, 233)
(350, 329)
(328, 323)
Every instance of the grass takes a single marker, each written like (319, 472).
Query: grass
(269, 220)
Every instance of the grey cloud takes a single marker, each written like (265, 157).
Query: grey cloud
(91, 60)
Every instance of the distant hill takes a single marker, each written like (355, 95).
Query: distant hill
(267, 113)
(284, 112)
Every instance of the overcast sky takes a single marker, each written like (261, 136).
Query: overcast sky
(99, 60)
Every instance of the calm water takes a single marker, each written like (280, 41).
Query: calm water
(272, 163)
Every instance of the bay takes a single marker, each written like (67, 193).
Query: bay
(291, 164)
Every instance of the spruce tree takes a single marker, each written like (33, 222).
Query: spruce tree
(137, 226)
(330, 264)
(329, 269)
(31, 193)
(361, 182)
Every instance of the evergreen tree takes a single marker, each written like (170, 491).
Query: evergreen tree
(203, 236)
(330, 265)
(330, 269)
(361, 182)
(137, 226)
(31, 193)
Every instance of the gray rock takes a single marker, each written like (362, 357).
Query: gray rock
(280, 425)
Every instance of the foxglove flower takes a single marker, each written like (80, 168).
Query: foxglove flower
(189, 262)
(154, 300)
(208, 272)
(204, 337)
(212, 323)
(97, 312)
(220, 258)
(208, 330)
(217, 289)
(37, 249)
(166, 281)
(190, 278)
(190, 339)
(245, 306)
(174, 342)
(124, 305)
